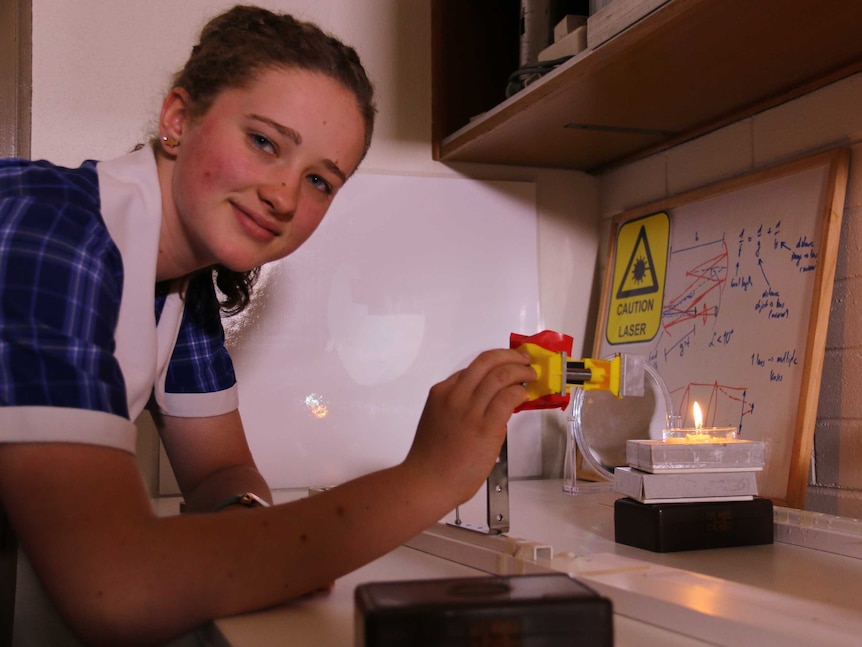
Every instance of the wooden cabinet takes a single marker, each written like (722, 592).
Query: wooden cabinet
(687, 68)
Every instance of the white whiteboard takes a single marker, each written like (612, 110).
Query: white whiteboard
(407, 279)
(744, 309)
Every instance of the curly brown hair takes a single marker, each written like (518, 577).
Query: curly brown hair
(238, 44)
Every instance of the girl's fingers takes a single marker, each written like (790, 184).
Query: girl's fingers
(489, 373)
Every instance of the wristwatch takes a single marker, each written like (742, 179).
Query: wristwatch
(246, 499)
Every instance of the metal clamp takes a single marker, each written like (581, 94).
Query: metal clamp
(497, 496)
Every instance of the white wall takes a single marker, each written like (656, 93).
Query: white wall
(100, 68)
(832, 116)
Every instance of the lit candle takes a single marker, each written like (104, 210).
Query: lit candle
(698, 433)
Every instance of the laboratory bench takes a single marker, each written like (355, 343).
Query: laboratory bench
(804, 589)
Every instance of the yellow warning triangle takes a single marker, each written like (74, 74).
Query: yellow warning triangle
(640, 277)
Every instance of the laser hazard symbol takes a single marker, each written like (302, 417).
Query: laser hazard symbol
(637, 290)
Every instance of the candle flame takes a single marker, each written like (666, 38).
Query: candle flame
(698, 416)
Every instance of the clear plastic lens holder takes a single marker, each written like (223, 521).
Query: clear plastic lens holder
(599, 425)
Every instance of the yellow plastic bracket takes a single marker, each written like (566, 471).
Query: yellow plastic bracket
(605, 375)
(550, 367)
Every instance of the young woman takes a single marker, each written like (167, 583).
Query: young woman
(107, 306)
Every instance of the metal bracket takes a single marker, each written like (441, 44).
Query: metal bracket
(497, 495)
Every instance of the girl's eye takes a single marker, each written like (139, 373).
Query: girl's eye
(262, 143)
(320, 184)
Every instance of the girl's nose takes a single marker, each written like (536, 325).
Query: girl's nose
(281, 195)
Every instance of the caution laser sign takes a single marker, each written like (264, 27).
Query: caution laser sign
(637, 291)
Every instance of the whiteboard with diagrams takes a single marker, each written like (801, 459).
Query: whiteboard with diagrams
(726, 291)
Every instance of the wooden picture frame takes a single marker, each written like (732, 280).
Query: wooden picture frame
(16, 42)
(727, 290)
(15, 91)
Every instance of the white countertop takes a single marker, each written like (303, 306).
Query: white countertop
(327, 618)
(777, 594)
(584, 525)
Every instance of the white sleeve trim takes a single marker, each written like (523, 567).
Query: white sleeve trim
(66, 425)
(200, 405)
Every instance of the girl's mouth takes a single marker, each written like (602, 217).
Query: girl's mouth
(256, 226)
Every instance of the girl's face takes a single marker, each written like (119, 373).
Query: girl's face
(255, 175)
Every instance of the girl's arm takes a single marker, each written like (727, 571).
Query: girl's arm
(211, 459)
(120, 575)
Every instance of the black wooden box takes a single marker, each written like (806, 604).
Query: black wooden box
(670, 527)
(546, 610)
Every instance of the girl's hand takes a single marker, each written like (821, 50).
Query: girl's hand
(464, 421)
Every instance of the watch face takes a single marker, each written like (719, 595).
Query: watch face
(251, 500)
(248, 500)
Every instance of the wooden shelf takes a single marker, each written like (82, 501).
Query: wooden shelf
(688, 68)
